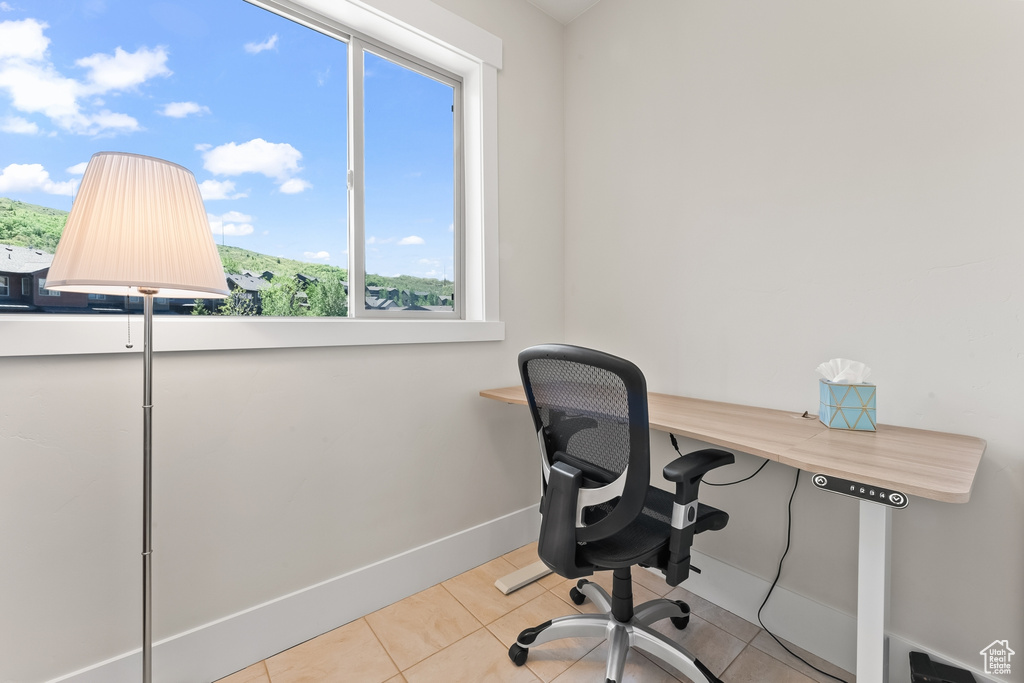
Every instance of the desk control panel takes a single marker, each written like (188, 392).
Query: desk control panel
(876, 494)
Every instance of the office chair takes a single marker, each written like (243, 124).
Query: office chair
(599, 511)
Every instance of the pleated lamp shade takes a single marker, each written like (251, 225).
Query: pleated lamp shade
(137, 223)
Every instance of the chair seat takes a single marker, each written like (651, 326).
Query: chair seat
(646, 538)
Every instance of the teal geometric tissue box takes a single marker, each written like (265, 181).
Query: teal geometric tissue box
(847, 406)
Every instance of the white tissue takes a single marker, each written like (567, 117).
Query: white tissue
(843, 371)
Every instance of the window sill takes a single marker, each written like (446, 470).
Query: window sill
(86, 334)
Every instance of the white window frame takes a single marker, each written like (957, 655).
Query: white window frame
(5, 286)
(423, 31)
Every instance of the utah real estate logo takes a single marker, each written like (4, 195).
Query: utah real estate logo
(997, 657)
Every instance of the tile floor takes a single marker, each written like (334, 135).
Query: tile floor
(459, 631)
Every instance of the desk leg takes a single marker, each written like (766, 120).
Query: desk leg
(873, 593)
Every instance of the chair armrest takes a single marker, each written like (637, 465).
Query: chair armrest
(693, 466)
(557, 544)
(686, 472)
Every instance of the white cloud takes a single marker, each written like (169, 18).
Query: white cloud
(35, 86)
(33, 178)
(276, 160)
(23, 39)
(295, 186)
(109, 120)
(123, 70)
(411, 239)
(231, 223)
(179, 110)
(203, 146)
(316, 254)
(268, 44)
(6, 7)
(16, 124)
(77, 169)
(218, 189)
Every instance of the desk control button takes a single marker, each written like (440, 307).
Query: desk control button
(854, 489)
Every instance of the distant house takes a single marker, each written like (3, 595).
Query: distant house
(304, 280)
(376, 304)
(23, 283)
(374, 292)
(249, 287)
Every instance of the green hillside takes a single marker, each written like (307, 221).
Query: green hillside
(28, 225)
(40, 227)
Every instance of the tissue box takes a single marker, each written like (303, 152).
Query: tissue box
(847, 406)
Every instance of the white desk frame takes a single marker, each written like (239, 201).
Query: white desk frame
(917, 462)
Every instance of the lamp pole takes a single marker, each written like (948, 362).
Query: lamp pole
(147, 485)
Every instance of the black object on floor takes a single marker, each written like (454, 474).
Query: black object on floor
(924, 670)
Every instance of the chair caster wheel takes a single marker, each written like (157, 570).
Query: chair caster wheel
(577, 596)
(681, 622)
(518, 654)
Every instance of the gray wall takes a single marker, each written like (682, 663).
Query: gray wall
(756, 187)
(277, 469)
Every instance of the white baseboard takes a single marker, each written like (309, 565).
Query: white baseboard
(817, 628)
(222, 647)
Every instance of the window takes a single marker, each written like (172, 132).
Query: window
(26, 285)
(5, 286)
(298, 202)
(97, 297)
(43, 291)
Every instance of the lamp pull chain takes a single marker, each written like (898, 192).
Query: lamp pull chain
(128, 312)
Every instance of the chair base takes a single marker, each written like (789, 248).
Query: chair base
(621, 635)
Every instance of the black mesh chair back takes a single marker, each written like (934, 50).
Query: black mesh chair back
(590, 412)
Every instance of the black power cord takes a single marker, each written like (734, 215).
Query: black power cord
(789, 535)
(778, 573)
(675, 445)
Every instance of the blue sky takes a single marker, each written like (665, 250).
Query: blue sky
(253, 104)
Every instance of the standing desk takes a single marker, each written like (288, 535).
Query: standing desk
(916, 462)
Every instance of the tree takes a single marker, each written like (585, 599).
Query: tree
(238, 303)
(282, 298)
(328, 298)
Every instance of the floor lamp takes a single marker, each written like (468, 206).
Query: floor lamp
(138, 227)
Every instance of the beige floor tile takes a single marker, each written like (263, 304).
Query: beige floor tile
(651, 581)
(639, 669)
(754, 666)
(550, 659)
(603, 579)
(418, 626)
(715, 648)
(397, 679)
(550, 581)
(527, 555)
(477, 658)
(349, 653)
(520, 557)
(257, 673)
(722, 618)
(475, 590)
(765, 643)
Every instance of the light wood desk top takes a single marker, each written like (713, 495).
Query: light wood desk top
(922, 463)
